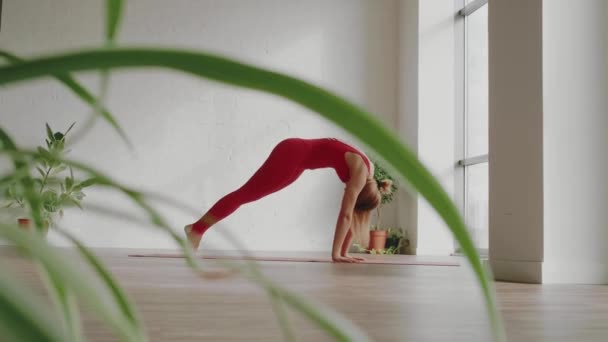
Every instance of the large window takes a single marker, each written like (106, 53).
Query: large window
(474, 114)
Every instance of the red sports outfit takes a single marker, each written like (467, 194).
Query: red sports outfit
(286, 163)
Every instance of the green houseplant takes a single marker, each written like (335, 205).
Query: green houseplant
(54, 181)
(26, 317)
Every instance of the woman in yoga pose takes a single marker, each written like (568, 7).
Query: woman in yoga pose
(286, 163)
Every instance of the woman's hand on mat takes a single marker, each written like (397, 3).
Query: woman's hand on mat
(346, 259)
(342, 259)
(357, 259)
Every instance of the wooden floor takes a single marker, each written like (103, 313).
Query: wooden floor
(390, 302)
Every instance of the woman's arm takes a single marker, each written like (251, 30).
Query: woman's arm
(347, 241)
(346, 245)
(345, 217)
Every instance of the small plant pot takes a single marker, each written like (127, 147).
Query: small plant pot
(26, 224)
(377, 239)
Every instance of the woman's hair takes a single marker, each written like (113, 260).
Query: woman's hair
(369, 198)
(360, 227)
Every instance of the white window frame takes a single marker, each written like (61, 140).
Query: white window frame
(462, 162)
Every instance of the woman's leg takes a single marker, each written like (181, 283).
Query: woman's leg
(281, 168)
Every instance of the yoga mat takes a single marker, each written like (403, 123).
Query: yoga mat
(381, 260)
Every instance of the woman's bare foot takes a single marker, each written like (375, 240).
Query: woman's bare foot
(193, 237)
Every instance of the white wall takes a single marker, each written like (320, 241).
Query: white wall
(515, 139)
(548, 138)
(436, 116)
(408, 111)
(575, 79)
(196, 140)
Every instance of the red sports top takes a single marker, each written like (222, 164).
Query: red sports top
(329, 152)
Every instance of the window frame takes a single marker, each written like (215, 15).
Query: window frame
(462, 161)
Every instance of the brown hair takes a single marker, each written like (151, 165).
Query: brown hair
(360, 227)
(369, 197)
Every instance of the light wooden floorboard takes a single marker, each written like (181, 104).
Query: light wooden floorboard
(390, 302)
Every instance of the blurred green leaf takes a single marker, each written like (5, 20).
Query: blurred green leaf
(78, 195)
(74, 202)
(108, 280)
(44, 153)
(87, 183)
(113, 15)
(69, 129)
(58, 170)
(42, 173)
(69, 182)
(50, 201)
(49, 133)
(350, 117)
(82, 93)
(60, 267)
(22, 317)
(65, 303)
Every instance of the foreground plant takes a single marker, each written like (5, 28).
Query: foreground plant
(353, 119)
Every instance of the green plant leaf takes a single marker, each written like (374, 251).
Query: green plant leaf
(22, 317)
(44, 153)
(66, 304)
(87, 183)
(125, 305)
(75, 202)
(350, 117)
(69, 182)
(69, 129)
(49, 133)
(283, 317)
(50, 201)
(60, 267)
(42, 173)
(78, 195)
(53, 264)
(337, 327)
(113, 15)
(82, 93)
(59, 169)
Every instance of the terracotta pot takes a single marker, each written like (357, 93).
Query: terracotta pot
(26, 224)
(377, 239)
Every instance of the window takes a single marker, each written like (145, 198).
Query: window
(473, 164)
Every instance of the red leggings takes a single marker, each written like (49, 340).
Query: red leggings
(284, 165)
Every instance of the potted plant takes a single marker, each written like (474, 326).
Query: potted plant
(397, 239)
(54, 180)
(388, 241)
(377, 238)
